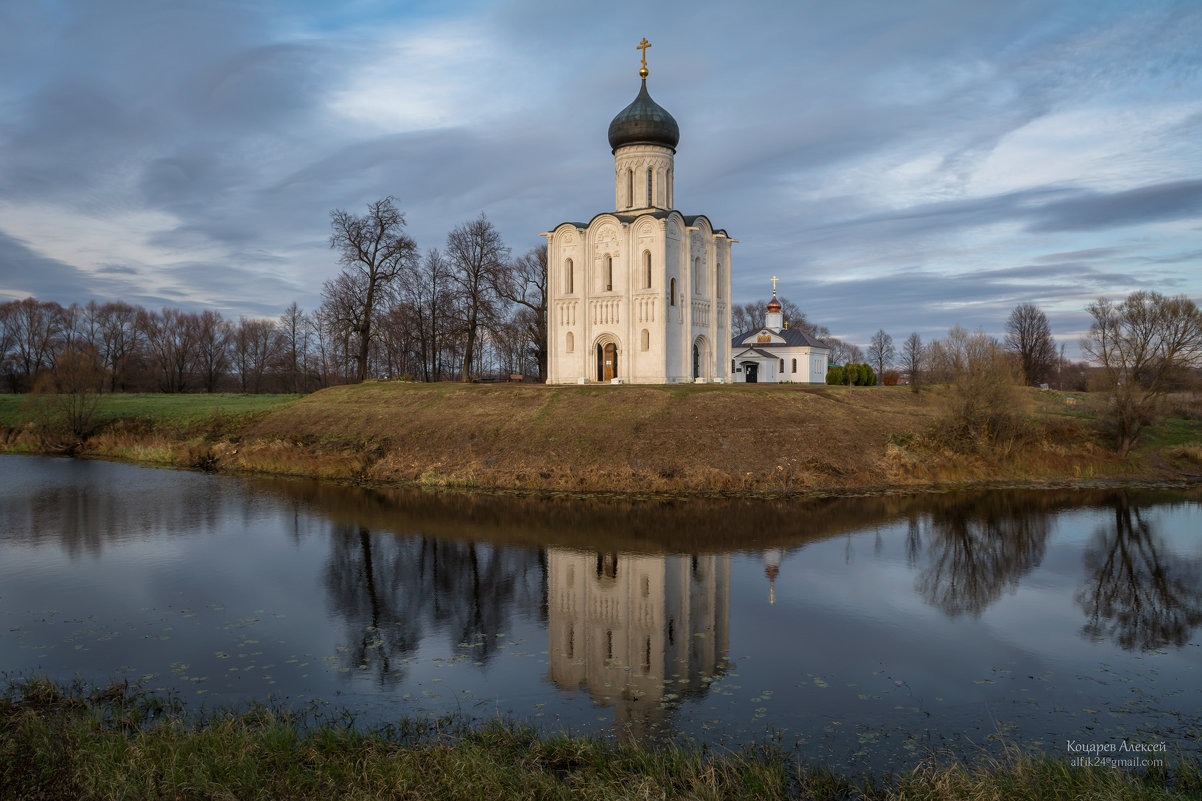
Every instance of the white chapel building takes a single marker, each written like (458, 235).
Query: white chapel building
(640, 294)
(777, 354)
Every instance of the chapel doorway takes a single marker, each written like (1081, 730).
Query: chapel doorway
(701, 358)
(607, 362)
(751, 372)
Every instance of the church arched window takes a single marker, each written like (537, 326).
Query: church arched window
(645, 339)
(795, 365)
(782, 366)
(629, 188)
(718, 278)
(568, 277)
(672, 294)
(650, 173)
(609, 273)
(697, 278)
(669, 188)
(646, 269)
(570, 343)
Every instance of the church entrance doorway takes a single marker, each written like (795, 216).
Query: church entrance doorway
(607, 362)
(751, 372)
(701, 358)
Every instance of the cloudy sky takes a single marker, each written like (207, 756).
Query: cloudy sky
(906, 165)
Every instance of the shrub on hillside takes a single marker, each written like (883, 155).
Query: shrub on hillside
(890, 378)
(835, 374)
(984, 402)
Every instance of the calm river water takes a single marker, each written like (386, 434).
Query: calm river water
(862, 631)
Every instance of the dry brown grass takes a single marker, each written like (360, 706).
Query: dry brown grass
(685, 438)
(777, 439)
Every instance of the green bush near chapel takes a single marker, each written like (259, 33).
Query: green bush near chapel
(835, 374)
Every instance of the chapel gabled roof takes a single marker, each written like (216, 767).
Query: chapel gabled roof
(756, 351)
(794, 338)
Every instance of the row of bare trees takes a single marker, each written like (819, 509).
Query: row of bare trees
(117, 346)
(462, 312)
(391, 312)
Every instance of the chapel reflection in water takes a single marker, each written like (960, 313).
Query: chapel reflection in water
(638, 632)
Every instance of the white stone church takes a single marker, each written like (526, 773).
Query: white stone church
(640, 294)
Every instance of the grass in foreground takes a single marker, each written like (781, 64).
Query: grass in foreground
(69, 743)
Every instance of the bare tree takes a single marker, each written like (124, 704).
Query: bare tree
(1029, 337)
(170, 338)
(912, 359)
(1143, 346)
(256, 347)
(295, 330)
(119, 340)
(525, 284)
(478, 260)
(842, 352)
(374, 251)
(427, 293)
(983, 407)
(70, 395)
(881, 352)
(212, 348)
(34, 328)
(8, 338)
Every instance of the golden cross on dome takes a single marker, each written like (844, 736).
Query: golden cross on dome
(643, 45)
(774, 280)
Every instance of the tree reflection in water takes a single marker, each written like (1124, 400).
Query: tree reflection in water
(1138, 592)
(978, 547)
(389, 590)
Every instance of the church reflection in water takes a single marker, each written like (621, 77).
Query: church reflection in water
(637, 632)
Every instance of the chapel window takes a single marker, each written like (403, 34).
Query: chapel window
(795, 365)
(570, 343)
(645, 338)
(609, 273)
(629, 189)
(672, 293)
(697, 281)
(782, 365)
(649, 174)
(646, 269)
(718, 278)
(569, 276)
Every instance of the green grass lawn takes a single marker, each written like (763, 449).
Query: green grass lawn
(14, 409)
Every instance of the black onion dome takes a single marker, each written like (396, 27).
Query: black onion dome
(643, 122)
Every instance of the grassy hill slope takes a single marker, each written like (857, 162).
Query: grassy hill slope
(690, 438)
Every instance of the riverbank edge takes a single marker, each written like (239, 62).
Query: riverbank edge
(75, 742)
(652, 442)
